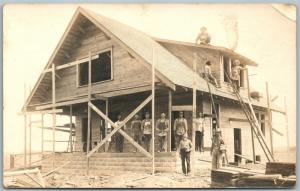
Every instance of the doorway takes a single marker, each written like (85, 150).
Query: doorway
(237, 144)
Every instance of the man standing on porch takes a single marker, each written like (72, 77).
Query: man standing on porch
(200, 125)
(136, 128)
(162, 126)
(119, 137)
(180, 128)
(147, 130)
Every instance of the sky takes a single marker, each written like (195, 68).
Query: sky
(32, 31)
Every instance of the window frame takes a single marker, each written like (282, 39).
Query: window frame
(95, 54)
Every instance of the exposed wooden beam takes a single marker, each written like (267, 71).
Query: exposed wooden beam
(70, 64)
(237, 119)
(42, 112)
(182, 107)
(277, 131)
(116, 128)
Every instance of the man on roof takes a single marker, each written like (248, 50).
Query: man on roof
(203, 37)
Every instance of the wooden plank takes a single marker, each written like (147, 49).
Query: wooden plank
(29, 126)
(70, 64)
(21, 172)
(277, 131)
(53, 114)
(153, 106)
(135, 144)
(72, 102)
(170, 121)
(194, 110)
(71, 129)
(270, 117)
(41, 112)
(89, 112)
(116, 128)
(182, 108)
(237, 119)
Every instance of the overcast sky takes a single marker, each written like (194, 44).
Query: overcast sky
(31, 33)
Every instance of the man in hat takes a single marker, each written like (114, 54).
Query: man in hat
(203, 37)
(217, 141)
(119, 137)
(199, 132)
(162, 127)
(136, 128)
(185, 147)
(208, 74)
(147, 130)
(235, 74)
(180, 128)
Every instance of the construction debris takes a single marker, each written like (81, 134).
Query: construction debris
(283, 168)
(246, 178)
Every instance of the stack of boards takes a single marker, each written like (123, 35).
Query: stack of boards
(277, 175)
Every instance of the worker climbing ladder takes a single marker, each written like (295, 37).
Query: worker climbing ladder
(249, 112)
(214, 108)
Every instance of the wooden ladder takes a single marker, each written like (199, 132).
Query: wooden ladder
(249, 112)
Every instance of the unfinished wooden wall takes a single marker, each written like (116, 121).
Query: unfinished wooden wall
(127, 72)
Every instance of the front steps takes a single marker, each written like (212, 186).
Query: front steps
(102, 163)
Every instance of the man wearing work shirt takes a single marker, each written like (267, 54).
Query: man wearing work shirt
(180, 128)
(162, 126)
(185, 147)
(136, 128)
(147, 130)
(199, 130)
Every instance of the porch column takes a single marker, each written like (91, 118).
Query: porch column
(89, 113)
(170, 121)
(153, 109)
(71, 129)
(106, 125)
(53, 113)
(194, 113)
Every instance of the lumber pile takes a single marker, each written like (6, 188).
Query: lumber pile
(247, 178)
(283, 168)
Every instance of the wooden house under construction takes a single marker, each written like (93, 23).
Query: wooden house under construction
(102, 68)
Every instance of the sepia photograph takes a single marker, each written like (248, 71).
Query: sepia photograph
(149, 96)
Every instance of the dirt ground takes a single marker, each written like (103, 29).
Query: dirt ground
(132, 180)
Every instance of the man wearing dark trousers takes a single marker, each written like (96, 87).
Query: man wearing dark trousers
(185, 148)
(119, 137)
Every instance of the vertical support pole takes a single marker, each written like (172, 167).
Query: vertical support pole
(71, 129)
(252, 134)
(153, 107)
(170, 121)
(89, 112)
(106, 124)
(194, 112)
(25, 140)
(25, 131)
(30, 140)
(53, 113)
(287, 123)
(42, 141)
(269, 117)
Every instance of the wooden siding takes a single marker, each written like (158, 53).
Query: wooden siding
(127, 72)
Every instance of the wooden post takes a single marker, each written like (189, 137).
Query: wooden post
(89, 110)
(25, 130)
(269, 118)
(71, 130)
(25, 140)
(153, 107)
(170, 121)
(287, 123)
(194, 112)
(53, 113)
(42, 139)
(106, 124)
(30, 140)
(252, 135)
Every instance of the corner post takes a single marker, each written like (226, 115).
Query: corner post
(42, 124)
(30, 153)
(53, 113)
(170, 119)
(89, 112)
(71, 129)
(269, 118)
(153, 108)
(194, 112)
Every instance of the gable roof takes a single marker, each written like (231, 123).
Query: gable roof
(169, 68)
